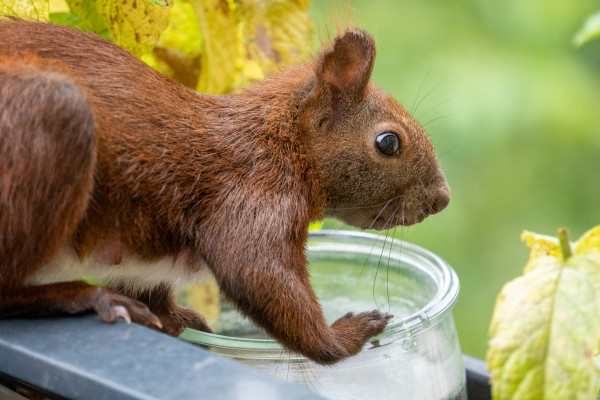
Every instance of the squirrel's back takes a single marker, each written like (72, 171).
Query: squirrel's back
(110, 76)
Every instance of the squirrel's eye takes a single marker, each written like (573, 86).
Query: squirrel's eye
(388, 143)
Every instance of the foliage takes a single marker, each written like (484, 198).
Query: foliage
(544, 331)
(29, 9)
(589, 30)
(213, 46)
(512, 110)
(315, 225)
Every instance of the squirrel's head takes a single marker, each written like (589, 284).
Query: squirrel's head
(377, 165)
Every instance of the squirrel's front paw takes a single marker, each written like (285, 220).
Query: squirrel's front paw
(353, 331)
(347, 336)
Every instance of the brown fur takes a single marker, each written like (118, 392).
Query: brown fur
(98, 150)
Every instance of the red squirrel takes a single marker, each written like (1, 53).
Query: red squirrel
(112, 171)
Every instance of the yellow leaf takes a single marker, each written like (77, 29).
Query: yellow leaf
(246, 41)
(315, 226)
(134, 24)
(544, 334)
(541, 245)
(33, 10)
(589, 242)
(219, 24)
(204, 298)
(183, 32)
(58, 6)
(276, 34)
(178, 53)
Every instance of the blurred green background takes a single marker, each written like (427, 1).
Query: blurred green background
(513, 109)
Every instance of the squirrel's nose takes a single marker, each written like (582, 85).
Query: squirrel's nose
(441, 199)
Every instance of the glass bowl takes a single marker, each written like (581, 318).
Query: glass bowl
(416, 357)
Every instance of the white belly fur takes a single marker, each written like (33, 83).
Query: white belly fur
(136, 274)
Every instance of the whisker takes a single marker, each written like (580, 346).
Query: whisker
(401, 238)
(377, 271)
(278, 364)
(415, 106)
(434, 119)
(426, 202)
(430, 109)
(367, 259)
(304, 369)
(312, 377)
(433, 108)
(375, 220)
(436, 87)
(387, 278)
(447, 151)
(379, 262)
(362, 207)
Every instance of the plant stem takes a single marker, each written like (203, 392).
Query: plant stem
(565, 243)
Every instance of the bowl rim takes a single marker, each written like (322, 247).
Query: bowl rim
(438, 307)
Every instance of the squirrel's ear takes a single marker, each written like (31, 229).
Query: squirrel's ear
(346, 67)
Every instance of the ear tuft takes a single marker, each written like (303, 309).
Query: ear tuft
(346, 67)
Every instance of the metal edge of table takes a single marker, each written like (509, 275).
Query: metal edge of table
(83, 357)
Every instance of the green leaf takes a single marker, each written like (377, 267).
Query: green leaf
(36, 10)
(68, 19)
(588, 264)
(544, 331)
(545, 335)
(87, 11)
(85, 16)
(589, 30)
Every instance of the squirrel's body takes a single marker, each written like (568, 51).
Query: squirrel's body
(112, 171)
(180, 132)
